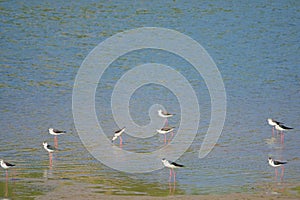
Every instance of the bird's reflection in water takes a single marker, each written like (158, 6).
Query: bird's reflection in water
(6, 187)
(48, 173)
(172, 188)
(50, 160)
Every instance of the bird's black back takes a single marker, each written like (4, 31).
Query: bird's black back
(167, 128)
(51, 147)
(58, 131)
(118, 131)
(285, 127)
(10, 165)
(277, 162)
(177, 165)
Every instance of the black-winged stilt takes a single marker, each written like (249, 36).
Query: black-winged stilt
(118, 133)
(56, 133)
(50, 150)
(282, 128)
(166, 130)
(275, 164)
(165, 115)
(6, 166)
(48, 147)
(273, 123)
(171, 166)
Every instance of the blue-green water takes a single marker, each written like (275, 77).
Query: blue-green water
(255, 46)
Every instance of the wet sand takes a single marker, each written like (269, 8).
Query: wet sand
(79, 191)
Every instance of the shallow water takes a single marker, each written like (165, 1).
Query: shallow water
(256, 49)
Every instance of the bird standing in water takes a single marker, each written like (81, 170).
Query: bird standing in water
(165, 115)
(273, 123)
(282, 128)
(276, 164)
(171, 166)
(118, 133)
(6, 166)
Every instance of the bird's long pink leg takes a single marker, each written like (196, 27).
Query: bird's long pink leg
(276, 173)
(282, 172)
(121, 141)
(166, 122)
(282, 137)
(174, 176)
(170, 177)
(55, 142)
(50, 159)
(6, 174)
(172, 134)
(273, 131)
(165, 138)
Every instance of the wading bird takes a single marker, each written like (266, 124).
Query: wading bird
(171, 166)
(276, 164)
(118, 133)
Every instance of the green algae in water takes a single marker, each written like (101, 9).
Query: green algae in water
(296, 189)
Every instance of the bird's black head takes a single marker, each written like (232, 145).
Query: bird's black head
(269, 158)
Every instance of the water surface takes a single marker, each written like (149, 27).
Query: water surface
(256, 49)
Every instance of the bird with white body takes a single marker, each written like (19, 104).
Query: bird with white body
(281, 128)
(273, 123)
(171, 166)
(166, 130)
(165, 115)
(55, 133)
(276, 164)
(6, 166)
(118, 134)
